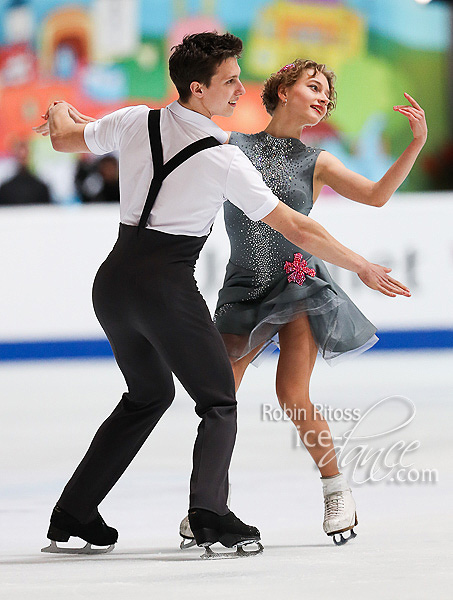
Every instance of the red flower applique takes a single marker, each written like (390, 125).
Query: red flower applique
(297, 269)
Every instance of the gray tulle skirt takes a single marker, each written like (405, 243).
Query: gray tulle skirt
(251, 316)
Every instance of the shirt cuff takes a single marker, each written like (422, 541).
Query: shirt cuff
(88, 134)
(264, 209)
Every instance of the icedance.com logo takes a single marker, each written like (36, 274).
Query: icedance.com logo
(367, 457)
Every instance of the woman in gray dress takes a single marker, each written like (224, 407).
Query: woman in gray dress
(274, 288)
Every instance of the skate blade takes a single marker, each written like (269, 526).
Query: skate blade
(187, 543)
(87, 549)
(341, 541)
(240, 552)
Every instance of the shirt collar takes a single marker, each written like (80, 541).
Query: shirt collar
(199, 120)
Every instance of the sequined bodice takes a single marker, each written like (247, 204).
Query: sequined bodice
(287, 167)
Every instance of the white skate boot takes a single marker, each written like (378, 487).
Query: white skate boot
(339, 509)
(188, 538)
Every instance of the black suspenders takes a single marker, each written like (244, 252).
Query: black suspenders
(161, 170)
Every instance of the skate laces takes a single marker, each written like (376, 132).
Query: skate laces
(333, 505)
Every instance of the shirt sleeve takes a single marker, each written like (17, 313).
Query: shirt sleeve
(104, 135)
(246, 189)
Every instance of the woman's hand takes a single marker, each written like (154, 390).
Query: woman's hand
(376, 277)
(75, 115)
(42, 129)
(416, 116)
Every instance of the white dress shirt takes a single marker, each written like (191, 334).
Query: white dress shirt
(194, 192)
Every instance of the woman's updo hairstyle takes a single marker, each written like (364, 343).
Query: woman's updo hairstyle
(287, 77)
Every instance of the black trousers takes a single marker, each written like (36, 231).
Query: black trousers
(146, 299)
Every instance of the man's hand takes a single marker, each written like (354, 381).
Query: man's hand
(75, 115)
(376, 277)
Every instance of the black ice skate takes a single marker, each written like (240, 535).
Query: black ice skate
(209, 528)
(96, 532)
(188, 539)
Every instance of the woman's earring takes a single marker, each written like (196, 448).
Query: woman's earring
(284, 101)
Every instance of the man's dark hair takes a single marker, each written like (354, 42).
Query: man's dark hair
(198, 57)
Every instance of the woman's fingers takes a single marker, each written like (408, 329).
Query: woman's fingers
(417, 121)
(407, 107)
(83, 118)
(387, 285)
(398, 283)
(42, 129)
(408, 110)
(415, 113)
(51, 105)
(75, 116)
(396, 287)
(375, 276)
(413, 101)
(405, 112)
(386, 293)
(386, 289)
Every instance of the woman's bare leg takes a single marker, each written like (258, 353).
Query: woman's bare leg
(232, 343)
(298, 352)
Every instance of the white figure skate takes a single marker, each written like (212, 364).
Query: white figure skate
(339, 509)
(188, 539)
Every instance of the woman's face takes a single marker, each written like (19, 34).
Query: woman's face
(308, 98)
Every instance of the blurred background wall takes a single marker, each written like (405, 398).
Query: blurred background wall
(104, 54)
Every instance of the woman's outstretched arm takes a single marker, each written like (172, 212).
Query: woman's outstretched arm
(311, 236)
(332, 172)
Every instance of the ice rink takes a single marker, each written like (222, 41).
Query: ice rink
(50, 411)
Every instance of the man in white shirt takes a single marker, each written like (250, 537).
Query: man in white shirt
(145, 295)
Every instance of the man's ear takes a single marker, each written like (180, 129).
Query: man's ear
(197, 89)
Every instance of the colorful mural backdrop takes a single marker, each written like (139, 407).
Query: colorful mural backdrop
(104, 54)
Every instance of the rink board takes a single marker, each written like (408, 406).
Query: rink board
(51, 254)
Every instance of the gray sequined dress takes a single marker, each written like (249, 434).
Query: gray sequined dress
(257, 298)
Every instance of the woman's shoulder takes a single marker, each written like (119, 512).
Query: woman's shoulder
(236, 137)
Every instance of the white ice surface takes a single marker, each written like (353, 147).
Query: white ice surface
(49, 412)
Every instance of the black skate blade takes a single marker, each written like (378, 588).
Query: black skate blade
(52, 548)
(342, 540)
(187, 543)
(239, 553)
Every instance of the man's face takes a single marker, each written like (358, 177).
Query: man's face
(224, 90)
